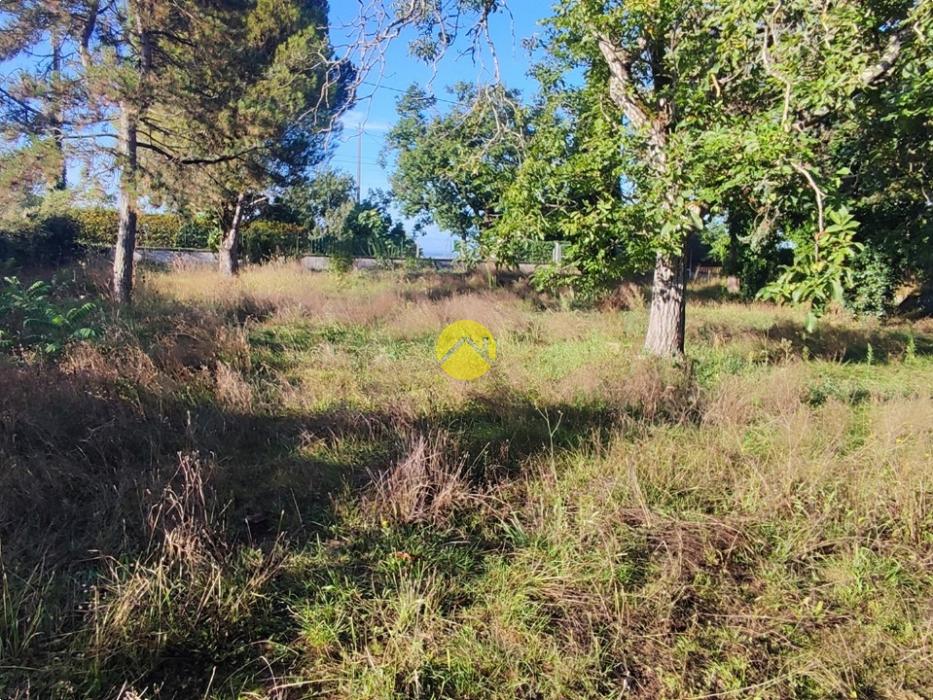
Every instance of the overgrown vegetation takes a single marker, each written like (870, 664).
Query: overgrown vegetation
(32, 321)
(293, 227)
(265, 488)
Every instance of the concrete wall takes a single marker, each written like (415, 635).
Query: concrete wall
(313, 263)
(320, 263)
(159, 256)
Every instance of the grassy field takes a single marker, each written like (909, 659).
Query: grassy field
(267, 489)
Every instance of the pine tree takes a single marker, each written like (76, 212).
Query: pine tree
(33, 100)
(206, 102)
(128, 61)
(275, 90)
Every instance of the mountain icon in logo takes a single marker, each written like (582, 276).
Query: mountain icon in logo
(465, 350)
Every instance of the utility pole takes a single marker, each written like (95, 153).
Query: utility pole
(359, 167)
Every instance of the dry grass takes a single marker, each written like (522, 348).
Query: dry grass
(428, 485)
(627, 297)
(189, 590)
(266, 489)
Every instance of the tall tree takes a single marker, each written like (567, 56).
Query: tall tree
(233, 88)
(276, 90)
(884, 150)
(726, 99)
(452, 169)
(569, 188)
(108, 65)
(125, 48)
(119, 46)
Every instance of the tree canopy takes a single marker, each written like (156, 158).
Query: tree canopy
(452, 169)
(275, 92)
(208, 103)
(756, 112)
(326, 208)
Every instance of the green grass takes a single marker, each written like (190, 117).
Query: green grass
(267, 489)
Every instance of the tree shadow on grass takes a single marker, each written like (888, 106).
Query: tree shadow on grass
(84, 464)
(297, 464)
(710, 293)
(77, 449)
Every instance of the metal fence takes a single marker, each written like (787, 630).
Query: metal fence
(331, 248)
(538, 252)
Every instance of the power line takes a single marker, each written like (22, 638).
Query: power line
(362, 129)
(399, 90)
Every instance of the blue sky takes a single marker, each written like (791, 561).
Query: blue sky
(376, 113)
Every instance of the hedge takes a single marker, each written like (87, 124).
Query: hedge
(55, 240)
(265, 240)
(262, 240)
(51, 241)
(99, 227)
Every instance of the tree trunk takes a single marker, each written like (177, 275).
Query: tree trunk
(230, 244)
(56, 117)
(733, 283)
(667, 319)
(126, 233)
(130, 110)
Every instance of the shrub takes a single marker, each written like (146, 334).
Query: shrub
(30, 320)
(159, 230)
(535, 252)
(261, 241)
(468, 255)
(264, 240)
(874, 282)
(96, 226)
(822, 269)
(50, 241)
(341, 261)
(195, 233)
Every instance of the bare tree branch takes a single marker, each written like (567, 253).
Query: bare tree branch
(621, 85)
(888, 57)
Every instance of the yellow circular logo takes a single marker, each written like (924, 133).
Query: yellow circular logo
(465, 350)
